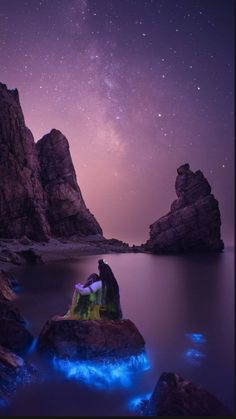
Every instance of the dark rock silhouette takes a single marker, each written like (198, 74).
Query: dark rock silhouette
(175, 396)
(66, 209)
(89, 339)
(193, 223)
(22, 203)
(39, 194)
(13, 332)
(14, 371)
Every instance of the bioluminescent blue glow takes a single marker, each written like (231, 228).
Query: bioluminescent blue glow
(104, 373)
(194, 356)
(196, 337)
(136, 402)
(3, 403)
(32, 346)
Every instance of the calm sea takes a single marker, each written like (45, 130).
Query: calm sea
(182, 305)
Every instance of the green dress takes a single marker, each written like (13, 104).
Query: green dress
(85, 307)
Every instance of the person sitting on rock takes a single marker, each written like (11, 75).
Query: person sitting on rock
(86, 306)
(103, 293)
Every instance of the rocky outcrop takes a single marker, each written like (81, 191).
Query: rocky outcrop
(193, 223)
(7, 284)
(13, 332)
(39, 194)
(89, 339)
(67, 212)
(14, 371)
(175, 396)
(22, 203)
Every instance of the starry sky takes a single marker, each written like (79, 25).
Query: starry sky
(138, 87)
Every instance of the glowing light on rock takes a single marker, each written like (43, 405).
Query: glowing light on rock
(103, 373)
(136, 402)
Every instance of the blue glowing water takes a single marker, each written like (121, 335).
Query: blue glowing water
(105, 373)
(196, 337)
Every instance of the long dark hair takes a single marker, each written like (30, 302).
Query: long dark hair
(91, 279)
(111, 289)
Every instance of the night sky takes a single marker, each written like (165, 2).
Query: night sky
(138, 87)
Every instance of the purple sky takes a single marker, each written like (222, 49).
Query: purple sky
(138, 88)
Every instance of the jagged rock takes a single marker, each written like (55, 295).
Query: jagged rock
(175, 396)
(22, 203)
(14, 335)
(9, 312)
(193, 223)
(7, 285)
(39, 194)
(14, 371)
(87, 339)
(66, 208)
(7, 255)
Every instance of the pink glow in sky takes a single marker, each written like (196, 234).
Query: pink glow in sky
(138, 88)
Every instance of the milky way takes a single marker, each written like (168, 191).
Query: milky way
(138, 88)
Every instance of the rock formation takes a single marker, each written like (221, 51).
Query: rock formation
(175, 396)
(89, 339)
(14, 371)
(193, 223)
(66, 209)
(13, 333)
(22, 203)
(39, 194)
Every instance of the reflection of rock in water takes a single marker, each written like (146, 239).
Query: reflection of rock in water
(193, 223)
(89, 339)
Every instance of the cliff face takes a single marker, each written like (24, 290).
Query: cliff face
(193, 223)
(39, 194)
(22, 202)
(67, 212)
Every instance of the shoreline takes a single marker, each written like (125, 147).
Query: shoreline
(56, 250)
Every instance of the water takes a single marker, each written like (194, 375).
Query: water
(182, 305)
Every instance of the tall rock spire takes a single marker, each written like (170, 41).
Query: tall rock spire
(67, 212)
(39, 194)
(22, 202)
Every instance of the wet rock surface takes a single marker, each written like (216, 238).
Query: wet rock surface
(14, 371)
(89, 339)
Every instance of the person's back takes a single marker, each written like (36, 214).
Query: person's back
(110, 307)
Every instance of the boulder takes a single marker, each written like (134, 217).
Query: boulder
(13, 333)
(175, 396)
(7, 285)
(89, 339)
(193, 223)
(13, 372)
